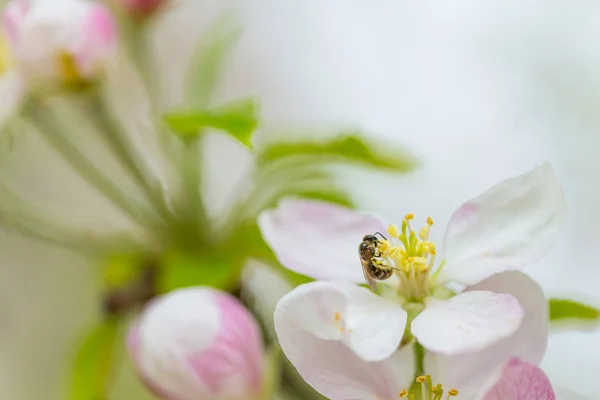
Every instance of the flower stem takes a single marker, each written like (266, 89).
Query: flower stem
(45, 124)
(131, 158)
(20, 217)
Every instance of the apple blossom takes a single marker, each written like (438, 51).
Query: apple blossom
(509, 226)
(68, 41)
(198, 343)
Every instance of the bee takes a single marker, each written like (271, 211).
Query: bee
(374, 267)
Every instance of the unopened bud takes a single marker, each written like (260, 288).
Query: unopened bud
(198, 344)
(142, 8)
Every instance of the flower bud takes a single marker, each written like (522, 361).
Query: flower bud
(142, 8)
(68, 40)
(198, 344)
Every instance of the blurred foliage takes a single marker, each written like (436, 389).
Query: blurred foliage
(563, 309)
(92, 368)
(350, 147)
(238, 119)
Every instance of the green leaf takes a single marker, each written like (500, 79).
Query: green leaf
(237, 119)
(94, 362)
(348, 147)
(209, 61)
(561, 309)
(184, 269)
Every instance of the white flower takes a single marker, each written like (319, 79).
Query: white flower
(56, 39)
(59, 41)
(501, 313)
(199, 343)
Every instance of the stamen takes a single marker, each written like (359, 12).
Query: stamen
(393, 231)
(428, 390)
(412, 258)
(337, 317)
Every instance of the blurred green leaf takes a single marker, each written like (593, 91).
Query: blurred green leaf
(94, 362)
(348, 147)
(237, 119)
(561, 309)
(209, 62)
(184, 269)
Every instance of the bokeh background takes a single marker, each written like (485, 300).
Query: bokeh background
(479, 91)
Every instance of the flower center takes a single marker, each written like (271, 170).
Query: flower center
(69, 72)
(426, 390)
(413, 256)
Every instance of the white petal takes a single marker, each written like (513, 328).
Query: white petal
(467, 322)
(475, 372)
(370, 325)
(318, 239)
(310, 338)
(511, 225)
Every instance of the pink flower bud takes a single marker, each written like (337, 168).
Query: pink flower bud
(198, 344)
(142, 8)
(64, 39)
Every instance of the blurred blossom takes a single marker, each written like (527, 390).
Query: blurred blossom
(62, 40)
(199, 343)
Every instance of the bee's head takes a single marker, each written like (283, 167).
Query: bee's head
(370, 238)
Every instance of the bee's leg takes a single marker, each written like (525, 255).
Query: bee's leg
(381, 264)
(377, 233)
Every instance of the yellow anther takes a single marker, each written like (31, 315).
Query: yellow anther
(431, 248)
(342, 329)
(418, 260)
(420, 379)
(409, 216)
(429, 221)
(424, 233)
(337, 316)
(453, 392)
(403, 393)
(393, 230)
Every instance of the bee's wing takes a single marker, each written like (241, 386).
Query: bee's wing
(370, 280)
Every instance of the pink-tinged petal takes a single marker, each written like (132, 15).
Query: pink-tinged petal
(474, 373)
(370, 325)
(521, 381)
(511, 225)
(99, 32)
(318, 239)
(467, 322)
(198, 343)
(12, 18)
(309, 335)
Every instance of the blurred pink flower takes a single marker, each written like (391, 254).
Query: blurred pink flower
(198, 343)
(57, 39)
